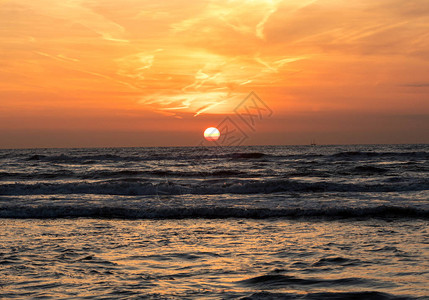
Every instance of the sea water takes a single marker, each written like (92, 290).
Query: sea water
(249, 222)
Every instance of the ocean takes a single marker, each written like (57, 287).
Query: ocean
(247, 222)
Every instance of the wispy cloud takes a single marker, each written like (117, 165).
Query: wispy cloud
(270, 10)
(276, 65)
(73, 65)
(245, 17)
(75, 11)
(60, 57)
(194, 102)
(135, 65)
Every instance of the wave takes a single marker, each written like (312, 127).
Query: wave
(121, 173)
(338, 260)
(200, 154)
(63, 158)
(138, 186)
(273, 281)
(247, 155)
(56, 174)
(351, 154)
(113, 212)
(160, 173)
(144, 156)
(200, 172)
(367, 295)
(368, 169)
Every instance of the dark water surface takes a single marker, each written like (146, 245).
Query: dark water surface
(265, 222)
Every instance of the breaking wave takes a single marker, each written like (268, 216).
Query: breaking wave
(137, 186)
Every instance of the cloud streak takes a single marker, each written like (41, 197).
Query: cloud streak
(75, 11)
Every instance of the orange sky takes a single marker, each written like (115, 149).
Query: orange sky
(78, 73)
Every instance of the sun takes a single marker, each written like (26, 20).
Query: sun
(211, 134)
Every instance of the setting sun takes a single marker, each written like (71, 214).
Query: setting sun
(211, 134)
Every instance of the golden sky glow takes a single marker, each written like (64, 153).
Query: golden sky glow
(107, 67)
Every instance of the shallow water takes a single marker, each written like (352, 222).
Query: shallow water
(229, 258)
